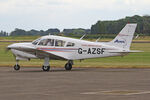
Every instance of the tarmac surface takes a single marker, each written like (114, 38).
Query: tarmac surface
(78, 84)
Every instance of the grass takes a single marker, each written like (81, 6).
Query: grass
(19, 38)
(102, 38)
(133, 60)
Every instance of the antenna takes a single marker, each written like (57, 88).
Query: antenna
(137, 36)
(98, 39)
(82, 36)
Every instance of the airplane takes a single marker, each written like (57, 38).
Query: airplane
(63, 48)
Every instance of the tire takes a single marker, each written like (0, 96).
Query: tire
(68, 66)
(46, 68)
(16, 67)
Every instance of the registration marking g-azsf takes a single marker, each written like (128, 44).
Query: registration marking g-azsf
(91, 51)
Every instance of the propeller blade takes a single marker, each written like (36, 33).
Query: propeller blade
(7, 50)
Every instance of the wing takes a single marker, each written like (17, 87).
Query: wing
(43, 54)
(40, 53)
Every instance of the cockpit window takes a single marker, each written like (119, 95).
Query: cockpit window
(36, 41)
(70, 44)
(59, 43)
(46, 42)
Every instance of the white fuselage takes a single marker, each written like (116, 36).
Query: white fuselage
(72, 49)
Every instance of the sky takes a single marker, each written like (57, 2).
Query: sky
(61, 14)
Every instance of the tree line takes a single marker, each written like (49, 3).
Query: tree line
(112, 27)
(3, 33)
(101, 27)
(21, 32)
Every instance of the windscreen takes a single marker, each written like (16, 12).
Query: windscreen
(35, 42)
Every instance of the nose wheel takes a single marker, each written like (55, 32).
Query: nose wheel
(16, 67)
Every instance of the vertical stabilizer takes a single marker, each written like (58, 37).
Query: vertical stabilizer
(124, 38)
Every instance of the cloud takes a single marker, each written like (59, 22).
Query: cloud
(34, 6)
(43, 14)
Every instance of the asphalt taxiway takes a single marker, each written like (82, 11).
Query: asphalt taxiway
(78, 84)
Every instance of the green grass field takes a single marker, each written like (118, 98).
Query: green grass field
(133, 60)
(31, 38)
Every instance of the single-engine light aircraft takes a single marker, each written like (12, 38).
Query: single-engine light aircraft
(64, 48)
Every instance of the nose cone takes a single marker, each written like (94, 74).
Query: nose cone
(11, 46)
(21, 46)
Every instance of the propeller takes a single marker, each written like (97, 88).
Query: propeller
(14, 57)
(7, 50)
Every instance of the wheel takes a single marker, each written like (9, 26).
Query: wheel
(68, 66)
(16, 67)
(46, 68)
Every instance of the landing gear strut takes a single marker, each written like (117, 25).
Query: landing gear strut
(68, 65)
(16, 67)
(46, 66)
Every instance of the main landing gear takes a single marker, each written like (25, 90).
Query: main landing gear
(68, 66)
(46, 66)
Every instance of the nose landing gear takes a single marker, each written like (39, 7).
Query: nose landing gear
(17, 66)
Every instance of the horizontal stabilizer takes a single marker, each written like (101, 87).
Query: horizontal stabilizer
(135, 51)
(131, 51)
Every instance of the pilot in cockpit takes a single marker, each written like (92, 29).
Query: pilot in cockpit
(50, 42)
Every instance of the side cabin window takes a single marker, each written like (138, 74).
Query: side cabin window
(50, 42)
(70, 44)
(47, 42)
(59, 43)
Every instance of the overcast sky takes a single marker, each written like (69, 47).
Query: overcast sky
(44, 14)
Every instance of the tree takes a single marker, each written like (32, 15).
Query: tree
(3, 33)
(115, 26)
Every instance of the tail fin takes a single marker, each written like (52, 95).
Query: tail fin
(124, 38)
